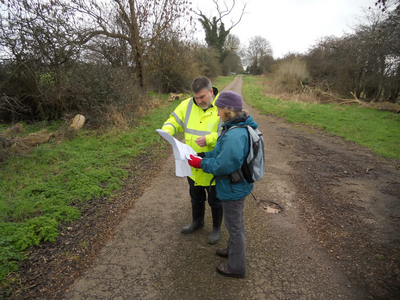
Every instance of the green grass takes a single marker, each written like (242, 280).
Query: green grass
(46, 187)
(375, 129)
(223, 81)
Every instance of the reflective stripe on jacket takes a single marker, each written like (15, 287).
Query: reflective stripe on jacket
(189, 118)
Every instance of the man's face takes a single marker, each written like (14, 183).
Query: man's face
(204, 98)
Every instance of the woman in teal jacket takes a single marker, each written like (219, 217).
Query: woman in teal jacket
(227, 157)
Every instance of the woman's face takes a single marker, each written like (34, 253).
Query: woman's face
(221, 114)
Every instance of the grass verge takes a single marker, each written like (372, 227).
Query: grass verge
(52, 184)
(375, 129)
(223, 81)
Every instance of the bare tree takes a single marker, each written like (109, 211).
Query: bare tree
(365, 63)
(104, 50)
(138, 22)
(215, 28)
(38, 30)
(171, 65)
(232, 43)
(388, 6)
(258, 55)
(206, 61)
(38, 39)
(56, 57)
(233, 62)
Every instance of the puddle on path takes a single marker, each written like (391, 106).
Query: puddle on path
(271, 207)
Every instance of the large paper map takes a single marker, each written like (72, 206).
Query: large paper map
(181, 153)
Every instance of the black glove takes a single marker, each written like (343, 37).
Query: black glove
(201, 154)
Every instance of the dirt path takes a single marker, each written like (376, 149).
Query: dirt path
(337, 237)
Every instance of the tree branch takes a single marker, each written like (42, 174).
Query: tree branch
(223, 13)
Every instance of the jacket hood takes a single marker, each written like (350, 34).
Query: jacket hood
(247, 120)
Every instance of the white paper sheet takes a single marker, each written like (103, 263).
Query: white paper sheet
(181, 153)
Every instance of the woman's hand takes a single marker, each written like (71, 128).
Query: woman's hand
(194, 161)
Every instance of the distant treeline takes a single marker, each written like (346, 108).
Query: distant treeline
(61, 57)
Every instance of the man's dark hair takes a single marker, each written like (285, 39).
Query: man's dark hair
(201, 83)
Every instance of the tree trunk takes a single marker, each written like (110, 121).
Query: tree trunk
(139, 68)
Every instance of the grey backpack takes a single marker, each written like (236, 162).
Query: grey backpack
(254, 166)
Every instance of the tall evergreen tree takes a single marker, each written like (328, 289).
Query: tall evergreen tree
(214, 27)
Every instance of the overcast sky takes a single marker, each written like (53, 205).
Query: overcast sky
(292, 25)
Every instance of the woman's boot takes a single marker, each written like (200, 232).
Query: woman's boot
(215, 235)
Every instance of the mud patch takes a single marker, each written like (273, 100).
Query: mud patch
(351, 212)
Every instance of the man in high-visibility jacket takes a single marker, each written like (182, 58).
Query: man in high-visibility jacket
(198, 118)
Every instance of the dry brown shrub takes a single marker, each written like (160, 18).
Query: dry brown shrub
(17, 128)
(124, 116)
(11, 143)
(141, 112)
(289, 76)
(302, 97)
(156, 103)
(3, 154)
(386, 106)
(118, 119)
(10, 146)
(270, 90)
(286, 83)
(66, 132)
(5, 144)
(339, 108)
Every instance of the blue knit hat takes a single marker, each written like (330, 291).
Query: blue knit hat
(229, 99)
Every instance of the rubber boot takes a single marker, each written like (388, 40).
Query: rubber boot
(215, 235)
(198, 211)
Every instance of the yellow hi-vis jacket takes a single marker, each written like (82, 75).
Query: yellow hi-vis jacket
(189, 118)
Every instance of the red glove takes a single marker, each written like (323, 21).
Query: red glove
(194, 161)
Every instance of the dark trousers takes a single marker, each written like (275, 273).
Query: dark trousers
(198, 194)
(234, 223)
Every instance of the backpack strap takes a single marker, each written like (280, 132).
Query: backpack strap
(234, 178)
(237, 176)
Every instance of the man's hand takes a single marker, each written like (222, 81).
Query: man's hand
(194, 161)
(201, 141)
